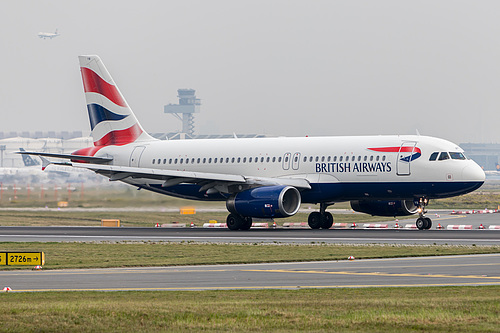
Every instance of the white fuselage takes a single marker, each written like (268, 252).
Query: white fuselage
(344, 168)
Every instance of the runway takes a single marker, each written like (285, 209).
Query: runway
(389, 236)
(359, 236)
(470, 270)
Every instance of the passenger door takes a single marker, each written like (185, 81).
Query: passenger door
(135, 157)
(405, 155)
(286, 161)
(296, 161)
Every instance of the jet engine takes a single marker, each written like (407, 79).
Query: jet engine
(385, 208)
(265, 202)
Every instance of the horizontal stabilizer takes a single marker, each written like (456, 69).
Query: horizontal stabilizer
(89, 159)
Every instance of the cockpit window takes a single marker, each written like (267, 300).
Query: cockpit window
(434, 156)
(457, 156)
(444, 156)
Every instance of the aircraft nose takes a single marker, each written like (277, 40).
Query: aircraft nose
(474, 173)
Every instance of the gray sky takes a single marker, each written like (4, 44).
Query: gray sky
(290, 68)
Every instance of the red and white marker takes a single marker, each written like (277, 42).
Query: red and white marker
(6, 289)
(350, 258)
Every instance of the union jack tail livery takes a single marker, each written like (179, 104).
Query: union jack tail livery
(111, 119)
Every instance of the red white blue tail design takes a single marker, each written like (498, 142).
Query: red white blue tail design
(111, 119)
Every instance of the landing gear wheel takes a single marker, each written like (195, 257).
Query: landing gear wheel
(247, 223)
(429, 223)
(314, 220)
(421, 223)
(234, 222)
(326, 220)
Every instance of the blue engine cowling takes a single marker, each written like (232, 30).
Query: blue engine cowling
(265, 202)
(385, 208)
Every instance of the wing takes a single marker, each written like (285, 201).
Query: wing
(220, 182)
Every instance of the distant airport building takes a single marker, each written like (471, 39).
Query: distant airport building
(487, 155)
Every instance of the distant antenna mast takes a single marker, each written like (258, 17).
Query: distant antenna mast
(184, 111)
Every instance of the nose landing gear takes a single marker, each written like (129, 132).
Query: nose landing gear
(423, 222)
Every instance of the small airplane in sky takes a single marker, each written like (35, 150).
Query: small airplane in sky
(50, 35)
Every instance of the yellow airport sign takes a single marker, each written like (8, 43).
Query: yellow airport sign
(22, 258)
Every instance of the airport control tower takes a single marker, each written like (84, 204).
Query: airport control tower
(188, 105)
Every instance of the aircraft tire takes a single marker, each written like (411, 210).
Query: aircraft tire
(421, 223)
(234, 222)
(326, 220)
(429, 223)
(314, 220)
(247, 223)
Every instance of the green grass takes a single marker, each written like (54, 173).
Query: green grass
(143, 218)
(127, 254)
(434, 309)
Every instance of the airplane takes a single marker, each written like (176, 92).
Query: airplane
(50, 35)
(386, 175)
(28, 161)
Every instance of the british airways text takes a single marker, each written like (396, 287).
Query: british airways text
(354, 167)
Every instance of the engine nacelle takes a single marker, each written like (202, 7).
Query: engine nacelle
(265, 202)
(385, 208)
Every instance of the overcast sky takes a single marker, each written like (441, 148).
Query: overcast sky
(289, 68)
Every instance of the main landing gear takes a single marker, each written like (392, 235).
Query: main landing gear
(238, 222)
(423, 222)
(321, 219)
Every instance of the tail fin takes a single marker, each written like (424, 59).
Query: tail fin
(111, 119)
(28, 160)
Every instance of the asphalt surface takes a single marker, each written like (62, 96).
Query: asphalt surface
(468, 270)
(389, 236)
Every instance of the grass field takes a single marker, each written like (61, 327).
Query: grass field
(434, 309)
(125, 254)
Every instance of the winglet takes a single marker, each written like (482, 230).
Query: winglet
(45, 162)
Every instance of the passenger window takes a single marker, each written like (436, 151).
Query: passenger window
(175, 161)
(340, 158)
(335, 158)
(192, 160)
(359, 158)
(198, 160)
(317, 158)
(310, 159)
(187, 160)
(210, 160)
(232, 160)
(244, 159)
(274, 159)
(279, 159)
(249, 160)
(378, 158)
(164, 161)
(181, 161)
(434, 156)
(329, 159)
(322, 158)
(170, 161)
(371, 158)
(305, 158)
(347, 158)
(204, 160)
(154, 161)
(457, 156)
(227, 159)
(444, 156)
(262, 159)
(383, 158)
(365, 158)
(267, 160)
